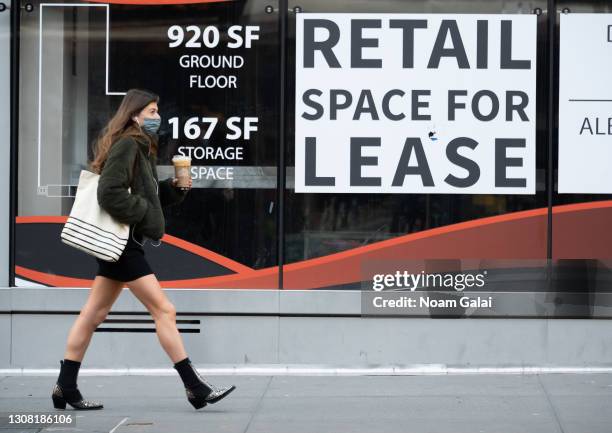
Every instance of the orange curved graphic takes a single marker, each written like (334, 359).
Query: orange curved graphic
(51, 279)
(579, 231)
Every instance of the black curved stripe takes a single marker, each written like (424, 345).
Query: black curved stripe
(80, 247)
(98, 228)
(74, 232)
(77, 241)
(112, 254)
(80, 230)
(87, 241)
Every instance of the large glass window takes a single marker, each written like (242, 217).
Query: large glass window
(581, 249)
(215, 67)
(330, 236)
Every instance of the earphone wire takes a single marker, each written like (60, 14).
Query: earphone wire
(143, 241)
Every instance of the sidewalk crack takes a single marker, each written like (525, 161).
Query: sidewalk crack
(258, 405)
(551, 405)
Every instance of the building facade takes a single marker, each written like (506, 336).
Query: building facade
(364, 175)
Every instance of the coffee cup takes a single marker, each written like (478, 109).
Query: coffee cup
(182, 164)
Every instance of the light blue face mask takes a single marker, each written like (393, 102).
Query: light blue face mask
(151, 125)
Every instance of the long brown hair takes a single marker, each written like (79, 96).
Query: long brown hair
(121, 124)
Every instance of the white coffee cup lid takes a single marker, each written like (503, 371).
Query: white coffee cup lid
(180, 158)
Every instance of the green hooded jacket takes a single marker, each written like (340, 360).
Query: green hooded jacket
(141, 208)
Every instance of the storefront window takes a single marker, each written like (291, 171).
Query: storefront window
(581, 250)
(215, 67)
(346, 229)
(226, 85)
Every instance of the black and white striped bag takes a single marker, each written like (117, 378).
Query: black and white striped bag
(89, 227)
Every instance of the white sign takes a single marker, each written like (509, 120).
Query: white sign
(415, 103)
(585, 104)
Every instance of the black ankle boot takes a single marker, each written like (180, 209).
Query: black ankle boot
(62, 395)
(73, 397)
(203, 393)
(199, 391)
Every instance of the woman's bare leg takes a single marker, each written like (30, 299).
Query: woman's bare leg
(150, 293)
(102, 296)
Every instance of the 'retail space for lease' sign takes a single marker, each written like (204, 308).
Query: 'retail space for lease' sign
(415, 103)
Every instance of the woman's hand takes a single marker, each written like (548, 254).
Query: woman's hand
(175, 181)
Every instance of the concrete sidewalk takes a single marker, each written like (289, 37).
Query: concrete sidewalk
(486, 403)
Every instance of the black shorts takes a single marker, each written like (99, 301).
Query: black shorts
(132, 263)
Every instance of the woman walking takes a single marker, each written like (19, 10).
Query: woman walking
(125, 156)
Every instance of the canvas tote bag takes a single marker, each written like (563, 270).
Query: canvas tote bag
(90, 228)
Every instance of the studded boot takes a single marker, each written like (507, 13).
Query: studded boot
(71, 395)
(199, 391)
